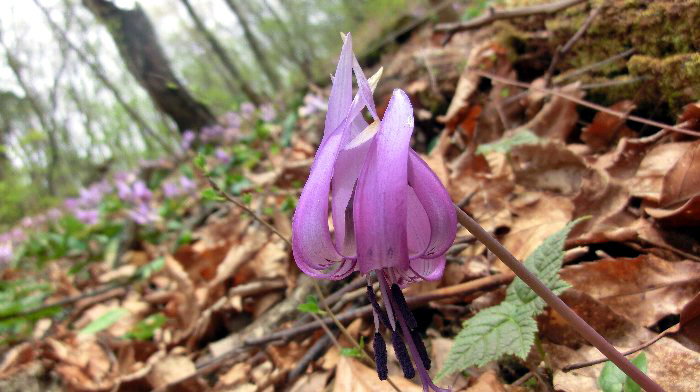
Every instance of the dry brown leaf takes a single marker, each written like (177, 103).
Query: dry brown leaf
(239, 254)
(487, 382)
(683, 180)
(644, 289)
(690, 118)
(607, 128)
(557, 118)
(238, 373)
(15, 359)
(170, 369)
(623, 163)
(352, 376)
(439, 349)
(674, 367)
(538, 215)
(315, 381)
(549, 167)
(649, 178)
(687, 215)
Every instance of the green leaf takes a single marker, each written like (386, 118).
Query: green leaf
(509, 328)
(145, 272)
(612, 379)
(504, 145)
(210, 194)
(490, 334)
(310, 306)
(545, 263)
(201, 161)
(640, 361)
(144, 329)
(103, 322)
(354, 352)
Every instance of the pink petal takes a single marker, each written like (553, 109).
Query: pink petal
(437, 204)
(364, 89)
(380, 204)
(341, 91)
(417, 225)
(347, 170)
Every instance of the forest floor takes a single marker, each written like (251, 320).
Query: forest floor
(526, 140)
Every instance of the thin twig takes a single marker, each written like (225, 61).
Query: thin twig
(642, 346)
(563, 77)
(556, 303)
(563, 50)
(493, 15)
(585, 103)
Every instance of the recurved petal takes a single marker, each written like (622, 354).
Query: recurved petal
(341, 91)
(437, 204)
(312, 245)
(417, 225)
(380, 204)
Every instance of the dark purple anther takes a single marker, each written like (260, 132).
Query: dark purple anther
(420, 346)
(402, 355)
(403, 307)
(380, 356)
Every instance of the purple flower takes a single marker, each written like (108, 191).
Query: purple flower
(17, 235)
(392, 217)
(187, 138)
(312, 104)
(171, 190)
(232, 120)
(6, 254)
(54, 214)
(88, 216)
(221, 156)
(187, 185)
(142, 214)
(267, 112)
(247, 109)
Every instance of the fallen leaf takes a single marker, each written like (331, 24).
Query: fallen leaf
(487, 382)
(170, 369)
(548, 167)
(644, 289)
(557, 117)
(683, 180)
(352, 376)
(649, 178)
(687, 215)
(608, 128)
(315, 381)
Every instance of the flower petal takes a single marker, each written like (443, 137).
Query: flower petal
(417, 225)
(341, 91)
(437, 204)
(311, 240)
(364, 88)
(347, 170)
(379, 208)
(420, 269)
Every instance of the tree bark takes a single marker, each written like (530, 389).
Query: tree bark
(100, 74)
(222, 55)
(255, 46)
(138, 46)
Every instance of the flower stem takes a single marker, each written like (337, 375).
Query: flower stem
(557, 304)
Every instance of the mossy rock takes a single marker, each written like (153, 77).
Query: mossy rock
(663, 34)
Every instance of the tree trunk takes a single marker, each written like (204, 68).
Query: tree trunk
(100, 74)
(222, 55)
(255, 46)
(138, 45)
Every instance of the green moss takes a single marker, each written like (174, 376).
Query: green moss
(676, 78)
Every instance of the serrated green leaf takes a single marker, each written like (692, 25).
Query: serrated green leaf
(545, 262)
(640, 361)
(504, 145)
(103, 322)
(509, 328)
(490, 334)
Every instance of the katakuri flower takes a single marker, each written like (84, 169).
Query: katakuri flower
(393, 220)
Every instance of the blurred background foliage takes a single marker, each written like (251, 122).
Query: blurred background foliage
(72, 106)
